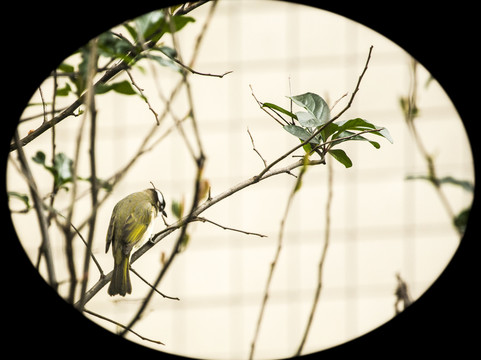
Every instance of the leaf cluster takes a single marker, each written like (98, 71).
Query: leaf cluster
(145, 33)
(62, 171)
(313, 124)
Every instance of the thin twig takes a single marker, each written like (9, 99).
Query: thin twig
(202, 219)
(152, 287)
(254, 148)
(198, 72)
(261, 106)
(277, 254)
(188, 7)
(143, 97)
(83, 240)
(122, 326)
(43, 104)
(327, 231)
(188, 68)
(337, 101)
(410, 113)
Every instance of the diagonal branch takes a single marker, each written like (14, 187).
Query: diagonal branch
(195, 214)
(122, 326)
(69, 111)
(202, 219)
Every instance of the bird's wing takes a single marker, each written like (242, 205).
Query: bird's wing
(135, 226)
(110, 232)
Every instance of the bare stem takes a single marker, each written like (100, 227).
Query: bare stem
(273, 265)
(327, 231)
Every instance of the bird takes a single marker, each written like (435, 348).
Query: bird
(131, 225)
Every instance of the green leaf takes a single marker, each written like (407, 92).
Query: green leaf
(314, 104)
(179, 22)
(354, 124)
(177, 208)
(23, 197)
(39, 158)
(352, 136)
(64, 67)
(461, 220)
(359, 124)
(122, 87)
(166, 50)
(280, 109)
(153, 25)
(131, 31)
(184, 242)
(330, 129)
(341, 156)
(164, 62)
(110, 45)
(385, 134)
(301, 133)
(307, 119)
(148, 24)
(62, 166)
(64, 91)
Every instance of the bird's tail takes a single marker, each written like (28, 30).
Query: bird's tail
(120, 283)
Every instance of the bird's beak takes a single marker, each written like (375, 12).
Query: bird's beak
(164, 213)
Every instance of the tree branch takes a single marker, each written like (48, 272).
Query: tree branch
(202, 219)
(42, 221)
(122, 326)
(151, 286)
(69, 111)
(200, 209)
